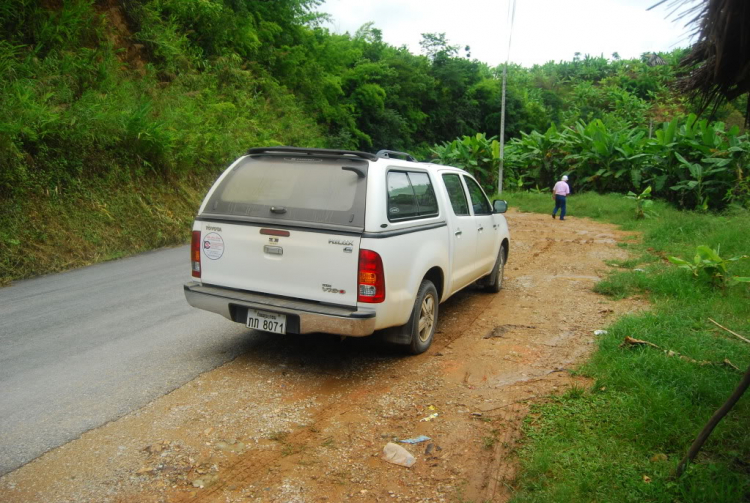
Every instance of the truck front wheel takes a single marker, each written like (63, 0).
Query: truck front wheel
(495, 280)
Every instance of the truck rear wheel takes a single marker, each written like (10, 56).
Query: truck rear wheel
(424, 317)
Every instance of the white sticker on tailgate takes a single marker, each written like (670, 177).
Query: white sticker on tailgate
(269, 322)
(213, 246)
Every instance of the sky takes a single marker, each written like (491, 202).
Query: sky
(543, 30)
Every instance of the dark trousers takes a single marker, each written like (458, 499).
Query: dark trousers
(559, 205)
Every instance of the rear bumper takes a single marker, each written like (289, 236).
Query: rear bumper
(303, 317)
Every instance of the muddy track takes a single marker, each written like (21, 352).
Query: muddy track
(304, 419)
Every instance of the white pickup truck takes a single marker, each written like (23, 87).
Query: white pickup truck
(295, 240)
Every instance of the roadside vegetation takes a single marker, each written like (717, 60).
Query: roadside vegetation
(692, 163)
(621, 437)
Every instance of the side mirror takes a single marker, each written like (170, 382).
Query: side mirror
(500, 206)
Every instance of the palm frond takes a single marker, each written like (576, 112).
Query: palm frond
(717, 68)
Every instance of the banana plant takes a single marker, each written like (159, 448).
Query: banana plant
(661, 148)
(605, 157)
(701, 181)
(690, 162)
(693, 160)
(737, 156)
(541, 154)
(709, 264)
(643, 203)
(477, 154)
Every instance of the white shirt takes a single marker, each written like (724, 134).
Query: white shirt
(561, 189)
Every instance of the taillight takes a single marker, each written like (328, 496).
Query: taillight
(195, 254)
(371, 278)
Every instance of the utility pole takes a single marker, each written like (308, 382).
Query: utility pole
(502, 132)
(512, 16)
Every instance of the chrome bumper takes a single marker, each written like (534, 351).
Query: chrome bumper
(313, 317)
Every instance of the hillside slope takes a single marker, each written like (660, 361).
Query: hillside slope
(104, 154)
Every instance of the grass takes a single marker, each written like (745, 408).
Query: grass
(103, 220)
(621, 439)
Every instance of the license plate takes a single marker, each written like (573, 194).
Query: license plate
(268, 322)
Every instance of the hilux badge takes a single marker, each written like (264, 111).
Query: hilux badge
(340, 242)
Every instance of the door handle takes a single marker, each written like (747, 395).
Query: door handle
(458, 232)
(480, 229)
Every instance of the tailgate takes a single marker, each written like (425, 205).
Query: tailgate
(315, 266)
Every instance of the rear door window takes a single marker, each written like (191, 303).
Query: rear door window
(410, 195)
(456, 194)
(424, 194)
(402, 203)
(285, 190)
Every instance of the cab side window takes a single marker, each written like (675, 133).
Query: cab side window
(410, 195)
(478, 200)
(456, 194)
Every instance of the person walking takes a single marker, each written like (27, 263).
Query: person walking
(559, 195)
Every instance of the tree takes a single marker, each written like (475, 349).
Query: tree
(434, 44)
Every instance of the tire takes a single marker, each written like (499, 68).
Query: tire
(424, 317)
(495, 280)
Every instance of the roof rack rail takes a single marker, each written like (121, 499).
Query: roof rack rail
(387, 154)
(311, 151)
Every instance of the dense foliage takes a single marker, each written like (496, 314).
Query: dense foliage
(693, 163)
(618, 127)
(175, 86)
(118, 94)
(78, 100)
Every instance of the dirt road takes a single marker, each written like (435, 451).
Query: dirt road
(305, 419)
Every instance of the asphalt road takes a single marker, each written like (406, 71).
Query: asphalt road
(85, 347)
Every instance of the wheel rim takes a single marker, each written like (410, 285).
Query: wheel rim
(426, 318)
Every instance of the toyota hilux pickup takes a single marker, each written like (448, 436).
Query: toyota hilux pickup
(299, 240)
